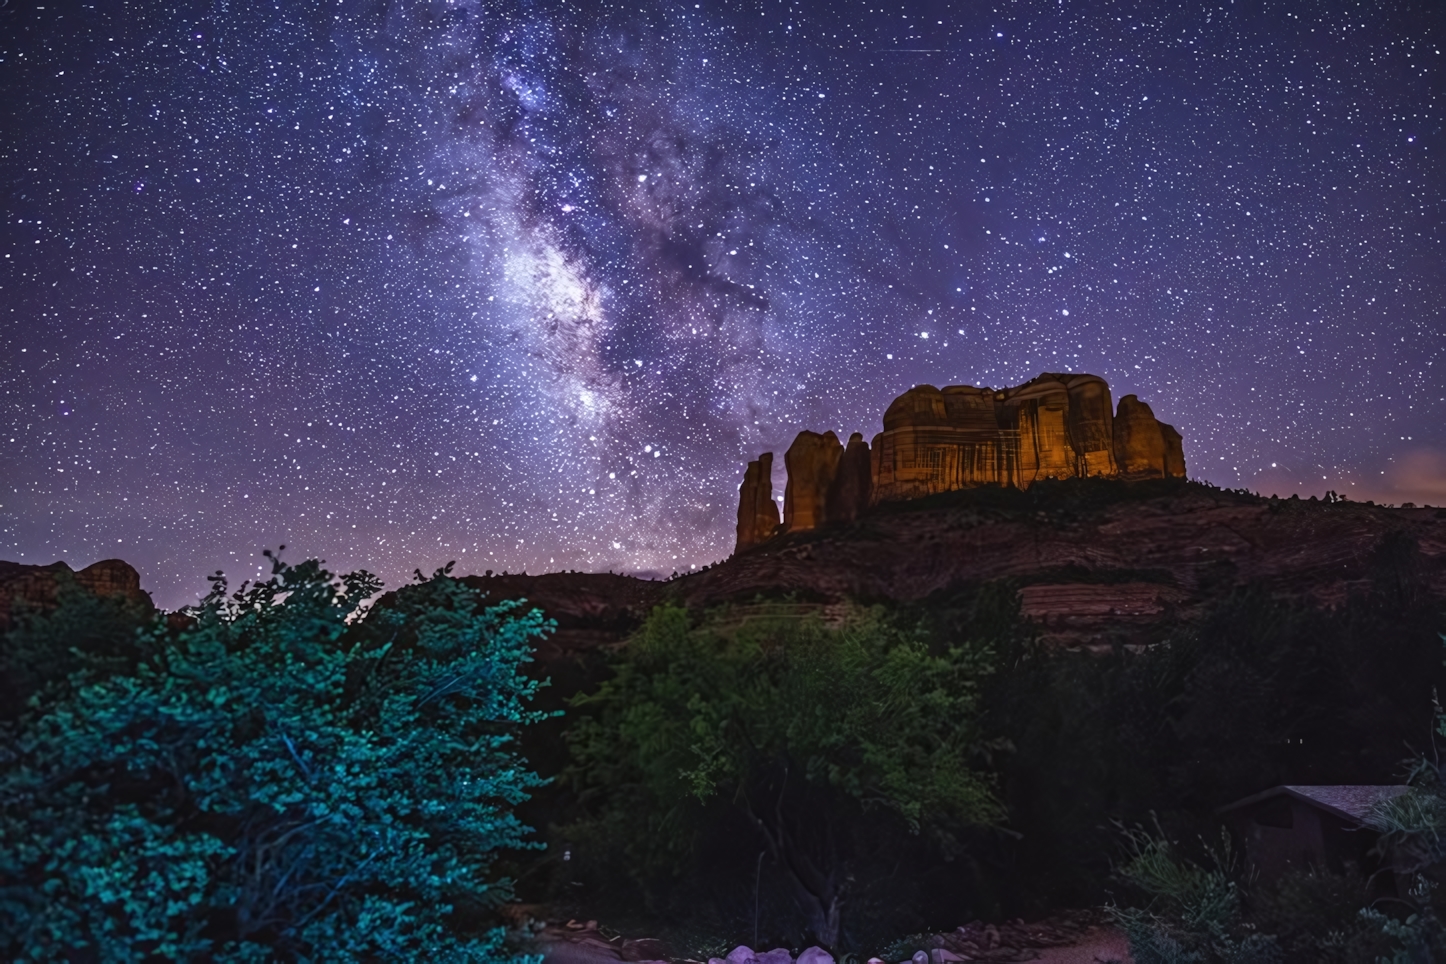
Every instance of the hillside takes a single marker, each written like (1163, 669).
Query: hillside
(1097, 561)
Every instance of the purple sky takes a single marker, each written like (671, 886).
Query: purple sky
(525, 284)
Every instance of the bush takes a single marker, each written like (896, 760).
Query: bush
(1201, 912)
(1316, 917)
(1193, 912)
(284, 779)
(816, 742)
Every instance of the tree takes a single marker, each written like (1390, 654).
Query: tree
(799, 728)
(286, 778)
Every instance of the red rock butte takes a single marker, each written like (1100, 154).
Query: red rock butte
(1057, 426)
(38, 586)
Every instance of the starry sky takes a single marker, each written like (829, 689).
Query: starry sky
(523, 284)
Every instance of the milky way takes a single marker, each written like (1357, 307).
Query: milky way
(524, 284)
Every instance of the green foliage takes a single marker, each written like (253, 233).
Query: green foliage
(1196, 913)
(1193, 914)
(1419, 939)
(1413, 825)
(285, 779)
(802, 733)
(1315, 916)
(1413, 838)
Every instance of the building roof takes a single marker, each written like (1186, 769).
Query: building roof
(1353, 803)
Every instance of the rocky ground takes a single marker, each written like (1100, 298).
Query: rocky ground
(1072, 937)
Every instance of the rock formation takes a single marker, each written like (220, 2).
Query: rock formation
(37, 585)
(757, 512)
(1146, 448)
(812, 462)
(1058, 426)
(852, 486)
(1174, 452)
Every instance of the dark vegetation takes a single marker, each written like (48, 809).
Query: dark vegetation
(1072, 749)
(280, 776)
(1257, 693)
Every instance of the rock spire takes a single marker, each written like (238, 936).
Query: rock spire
(757, 512)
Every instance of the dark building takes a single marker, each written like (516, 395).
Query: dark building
(1292, 826)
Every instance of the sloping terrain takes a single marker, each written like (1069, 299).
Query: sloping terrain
(1097, 562)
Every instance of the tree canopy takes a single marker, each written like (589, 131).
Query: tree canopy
(284, 777)
(800, 727)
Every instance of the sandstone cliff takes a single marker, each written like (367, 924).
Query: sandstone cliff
(1054, 427)
(812, 461)
(852, 486)
(1057, 426)
(1146, 448)
(37, 585)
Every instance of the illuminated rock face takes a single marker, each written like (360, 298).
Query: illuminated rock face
(1145, 447)
(1174, 452)
(848, 494)
(1058, 426)
(812, 461)
(757, 512)
(1054, 427)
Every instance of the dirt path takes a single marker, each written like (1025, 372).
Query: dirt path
(1103, 946)
(1069, 939)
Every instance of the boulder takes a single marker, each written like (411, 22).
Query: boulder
(815, 955)
(812, 462)
(778, 955)
(742, 954)
(848, 494)
(757, 512)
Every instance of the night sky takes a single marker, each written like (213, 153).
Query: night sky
(524, 284)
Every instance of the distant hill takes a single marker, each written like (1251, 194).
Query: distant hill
(1098, 562)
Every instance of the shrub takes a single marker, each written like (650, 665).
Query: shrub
(1316, 917)
(1193, 912)
(284, 779)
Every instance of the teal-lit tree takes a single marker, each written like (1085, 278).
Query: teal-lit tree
(286, 776)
